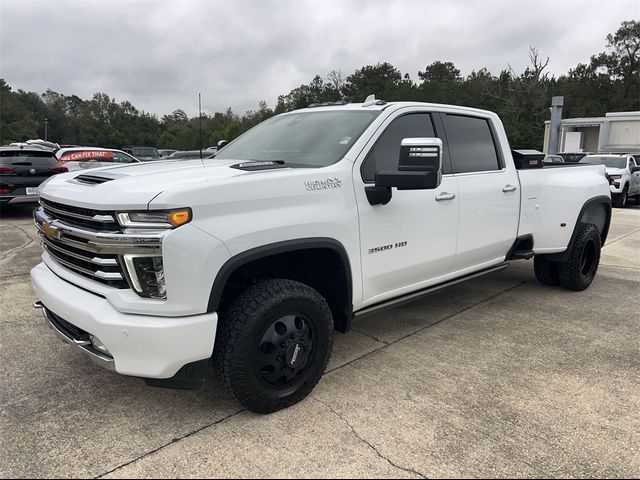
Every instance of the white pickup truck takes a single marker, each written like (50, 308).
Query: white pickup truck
(314, 217)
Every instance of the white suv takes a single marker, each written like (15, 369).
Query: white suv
(623, 173)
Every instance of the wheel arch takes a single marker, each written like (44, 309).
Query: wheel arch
(332, 275)
(597, 211)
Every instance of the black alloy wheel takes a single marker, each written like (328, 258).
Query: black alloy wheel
(285, 350)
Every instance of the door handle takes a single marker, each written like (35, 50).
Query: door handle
(509, 188)
(445, 196)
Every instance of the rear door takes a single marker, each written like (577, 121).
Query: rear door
(489, 191)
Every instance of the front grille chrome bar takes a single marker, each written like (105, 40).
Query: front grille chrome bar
(94, 218)
(98, 242)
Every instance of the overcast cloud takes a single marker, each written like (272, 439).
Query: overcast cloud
(160, 54)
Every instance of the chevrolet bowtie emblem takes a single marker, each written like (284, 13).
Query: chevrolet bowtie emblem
(50, 231)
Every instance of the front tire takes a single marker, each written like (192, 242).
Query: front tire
(580, 269)
(273, 344)
(620, 201)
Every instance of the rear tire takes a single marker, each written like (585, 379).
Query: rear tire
(580, 269)
(273, 344)
(546, 271)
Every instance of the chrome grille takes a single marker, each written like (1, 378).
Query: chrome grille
(74, 252)
(82, 217)
(96, 253)
(100, 267)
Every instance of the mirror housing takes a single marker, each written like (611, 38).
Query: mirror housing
(419, 166)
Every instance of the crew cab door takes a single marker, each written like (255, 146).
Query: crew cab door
(489, 191)
(411, 240)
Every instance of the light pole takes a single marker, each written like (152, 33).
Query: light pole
(46, 128)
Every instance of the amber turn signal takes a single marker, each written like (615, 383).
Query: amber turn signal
(179, 217)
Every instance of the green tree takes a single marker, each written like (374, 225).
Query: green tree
(382, 80)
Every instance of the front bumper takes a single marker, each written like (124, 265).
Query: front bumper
(140, 345)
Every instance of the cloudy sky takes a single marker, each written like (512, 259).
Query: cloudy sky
(159, 54)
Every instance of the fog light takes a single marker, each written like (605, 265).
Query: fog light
(98, 345)
(147, 275)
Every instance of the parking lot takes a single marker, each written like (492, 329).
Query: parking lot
(497, 377)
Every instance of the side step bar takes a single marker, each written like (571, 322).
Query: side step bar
(410, 297)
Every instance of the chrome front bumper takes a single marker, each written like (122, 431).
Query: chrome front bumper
(81, 342)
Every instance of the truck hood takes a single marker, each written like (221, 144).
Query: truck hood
(134, 186)
(615, 171)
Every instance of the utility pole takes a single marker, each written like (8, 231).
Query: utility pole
(200, 119)
(554, 126)
(46, 128)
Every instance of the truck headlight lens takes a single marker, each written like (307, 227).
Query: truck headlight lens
(147, 275)
(155, 218)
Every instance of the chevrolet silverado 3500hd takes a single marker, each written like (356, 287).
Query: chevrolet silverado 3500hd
(314, 217)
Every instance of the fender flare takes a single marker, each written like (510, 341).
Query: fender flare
(269, 250)
(603, 200)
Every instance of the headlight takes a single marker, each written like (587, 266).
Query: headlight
(155, 218)
(147, 275)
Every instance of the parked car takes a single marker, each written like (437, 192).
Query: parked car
(42, 143)
(144, 154)
(23, 169)
(553, 159)
(305, 222)
(573, 157)
(165, 152)
(623, 173)
(83, 158)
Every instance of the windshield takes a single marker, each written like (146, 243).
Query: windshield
(313, 139)
(611, 162)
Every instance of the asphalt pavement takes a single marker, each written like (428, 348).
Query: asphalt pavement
(497, 377)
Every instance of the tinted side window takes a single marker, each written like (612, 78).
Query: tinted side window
(122, 158)
(385, 153)
(471, 144)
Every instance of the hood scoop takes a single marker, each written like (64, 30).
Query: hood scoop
(96, 179)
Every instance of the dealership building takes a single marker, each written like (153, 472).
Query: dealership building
(616, 132)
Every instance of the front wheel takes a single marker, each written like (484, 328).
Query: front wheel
(273, 344)
(579, 270)
(620, 200)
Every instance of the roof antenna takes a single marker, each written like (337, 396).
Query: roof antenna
(371, 100)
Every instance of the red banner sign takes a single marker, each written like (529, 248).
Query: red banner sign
(85, 155)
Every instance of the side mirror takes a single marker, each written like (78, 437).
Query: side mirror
(221, 144)
(419, 168)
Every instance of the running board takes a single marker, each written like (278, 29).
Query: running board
(410, 297)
